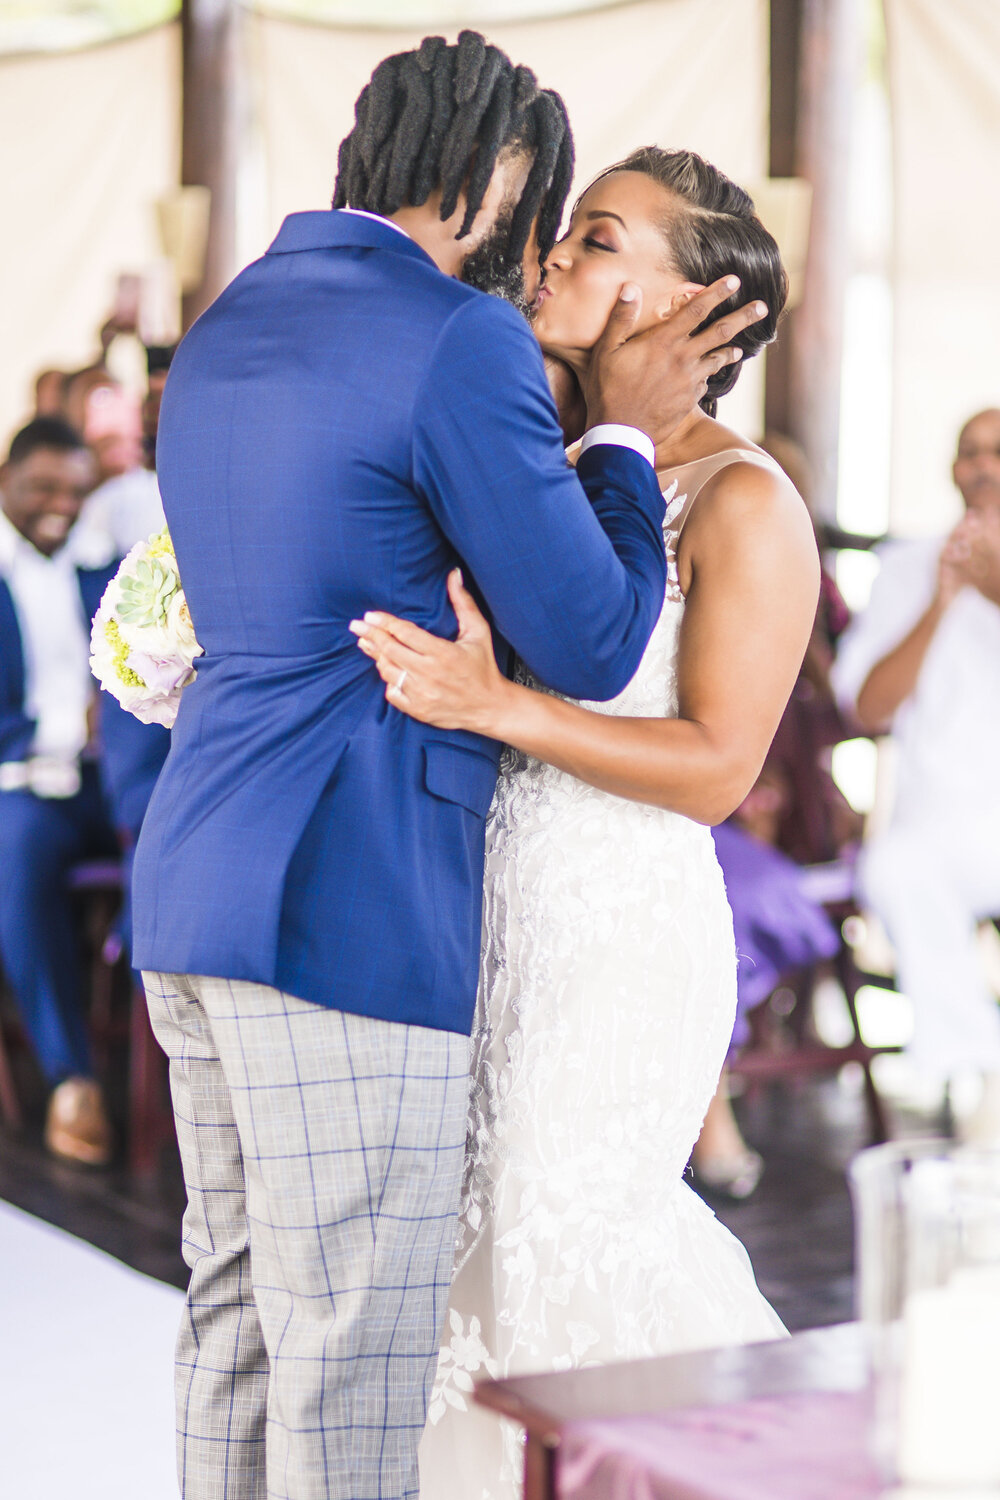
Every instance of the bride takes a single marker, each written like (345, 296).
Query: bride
(608, 983)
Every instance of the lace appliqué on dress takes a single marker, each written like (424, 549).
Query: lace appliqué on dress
(671, 535)
(462, 1357)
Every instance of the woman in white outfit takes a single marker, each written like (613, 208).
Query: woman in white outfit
(608, 985)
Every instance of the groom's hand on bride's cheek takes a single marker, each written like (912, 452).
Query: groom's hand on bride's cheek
(654, 379)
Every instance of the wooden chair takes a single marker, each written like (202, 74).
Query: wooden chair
(149, 1120)
(784, 1045)
(118, 1017)
(97, 885)
(10, 1104)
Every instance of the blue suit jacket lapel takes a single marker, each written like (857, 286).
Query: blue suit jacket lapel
(11, 649)
(93, 582)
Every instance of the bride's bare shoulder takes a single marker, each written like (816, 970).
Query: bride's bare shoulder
(751, 508)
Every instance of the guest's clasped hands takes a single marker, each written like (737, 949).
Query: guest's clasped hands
(971, 556)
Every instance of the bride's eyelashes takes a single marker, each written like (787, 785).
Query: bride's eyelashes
(594, 244)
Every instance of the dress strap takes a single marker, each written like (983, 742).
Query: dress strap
(683, 484)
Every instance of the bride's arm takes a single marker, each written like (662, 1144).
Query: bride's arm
(752, 578)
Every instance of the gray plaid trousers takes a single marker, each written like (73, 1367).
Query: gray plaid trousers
(322, 1156)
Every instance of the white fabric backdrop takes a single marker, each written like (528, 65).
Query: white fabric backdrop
(944, 70)
(98, 139)
(97, 133)
(425, 14)
(675, 72)
(103, 126)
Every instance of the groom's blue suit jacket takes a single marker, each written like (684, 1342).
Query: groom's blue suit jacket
(339, 429)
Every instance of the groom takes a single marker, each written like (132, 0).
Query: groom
(349, 419)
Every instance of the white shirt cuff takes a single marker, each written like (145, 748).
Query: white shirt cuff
(621, 437)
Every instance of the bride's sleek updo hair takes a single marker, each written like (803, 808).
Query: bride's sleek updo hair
(714, 231)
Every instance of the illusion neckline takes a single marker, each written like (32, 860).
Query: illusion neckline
(751, 453)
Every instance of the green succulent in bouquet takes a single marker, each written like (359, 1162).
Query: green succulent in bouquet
(146, 594)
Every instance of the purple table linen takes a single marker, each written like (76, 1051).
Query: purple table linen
(778, 927)
(810, 1446)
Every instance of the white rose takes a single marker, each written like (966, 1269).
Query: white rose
(104, 665)
(157, 640)
(102, 656)
(180, 628)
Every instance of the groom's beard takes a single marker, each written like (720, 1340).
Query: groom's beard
(490, 269)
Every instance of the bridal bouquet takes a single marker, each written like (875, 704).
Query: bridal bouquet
(142, 644)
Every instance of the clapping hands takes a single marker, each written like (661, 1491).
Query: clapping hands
(971, 556)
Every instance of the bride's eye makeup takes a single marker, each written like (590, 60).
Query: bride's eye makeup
(602, 236)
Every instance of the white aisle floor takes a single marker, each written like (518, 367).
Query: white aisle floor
(86, 1350)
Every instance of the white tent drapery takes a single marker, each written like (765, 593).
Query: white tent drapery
(944, 71)
(97, 143)
(97, 138)
(104, 127)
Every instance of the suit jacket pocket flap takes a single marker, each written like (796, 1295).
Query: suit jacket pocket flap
(460, 775)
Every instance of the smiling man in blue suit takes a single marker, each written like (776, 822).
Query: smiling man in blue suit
(350, 419)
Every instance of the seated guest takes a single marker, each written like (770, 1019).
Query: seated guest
(924, 662)
(60, 750)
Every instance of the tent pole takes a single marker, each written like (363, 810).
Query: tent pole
(209, 134)
(815, 48)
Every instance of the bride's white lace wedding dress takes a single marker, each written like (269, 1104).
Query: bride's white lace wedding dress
(606, 1006)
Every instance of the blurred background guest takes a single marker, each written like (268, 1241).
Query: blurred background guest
(793, 816)
(75, 770)
(118, 426)
(49, 386)
(107, 416)
(127, 504)
(923, 662)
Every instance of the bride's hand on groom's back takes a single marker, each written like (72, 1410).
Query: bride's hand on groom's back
(450, 684)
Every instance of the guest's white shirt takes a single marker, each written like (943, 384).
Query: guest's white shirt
(55, 634)
(127, 507)
(948, 730)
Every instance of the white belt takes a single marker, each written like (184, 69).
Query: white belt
(44, 775)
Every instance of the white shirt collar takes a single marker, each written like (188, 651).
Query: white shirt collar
(362, 213)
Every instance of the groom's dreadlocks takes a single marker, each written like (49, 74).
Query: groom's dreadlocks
(439, 117)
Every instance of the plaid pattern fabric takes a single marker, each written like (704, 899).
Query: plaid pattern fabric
(322, 1154)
